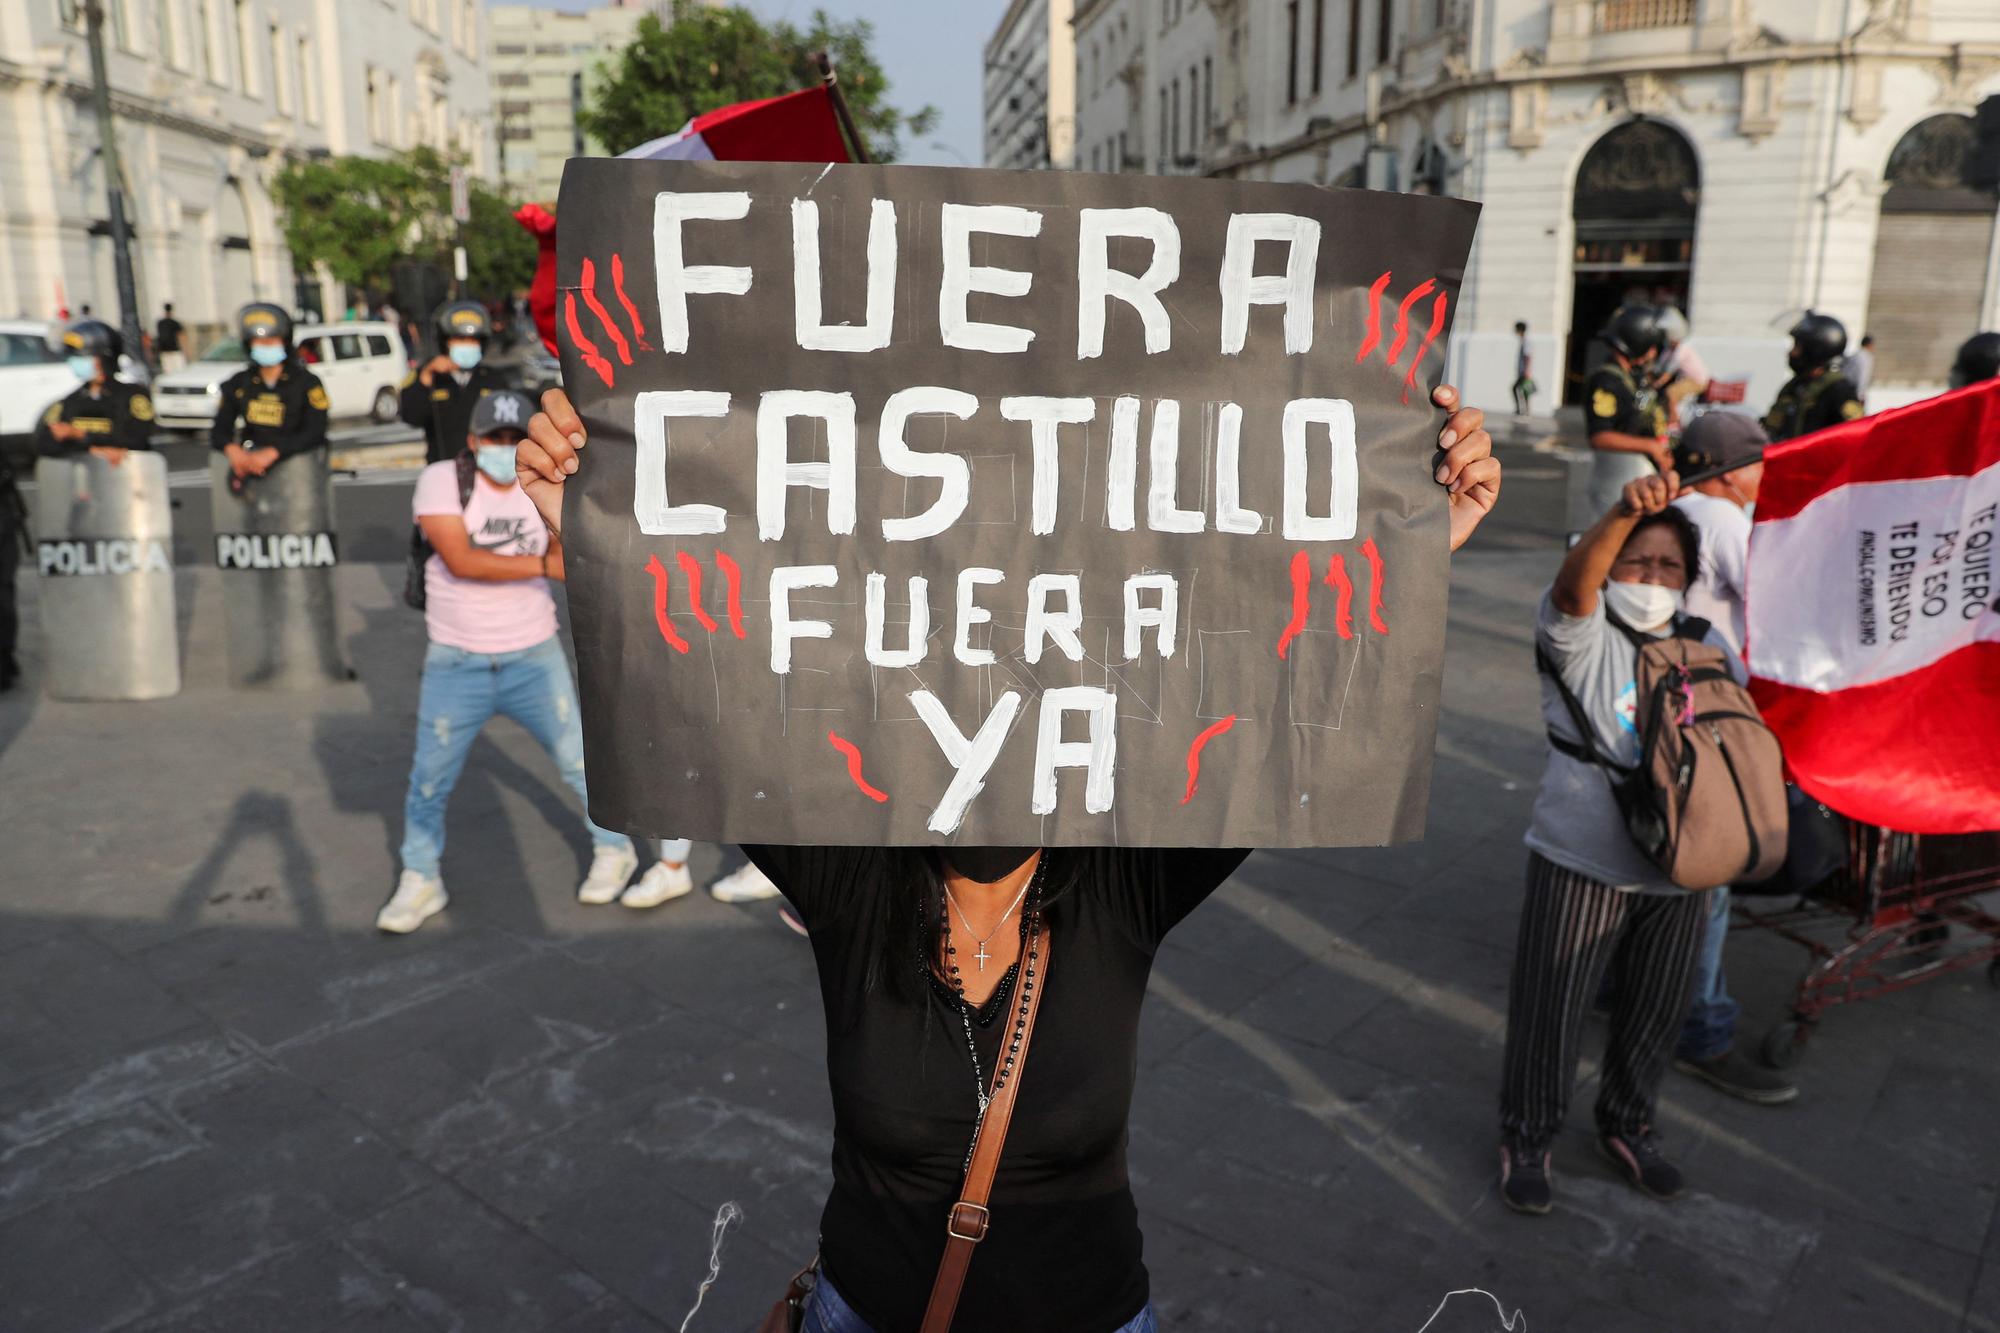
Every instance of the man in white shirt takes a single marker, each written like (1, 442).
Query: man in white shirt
(1860, 364)
(1720, 507)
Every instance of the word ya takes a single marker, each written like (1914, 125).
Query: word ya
(960, 229)
(104, 555)
(834, 415)
(271, 550)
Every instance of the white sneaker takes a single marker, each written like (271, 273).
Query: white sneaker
(416, 900)
(610, 867)
(745, 885)
(661, 883)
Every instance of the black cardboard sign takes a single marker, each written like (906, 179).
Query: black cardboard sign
(927, 505)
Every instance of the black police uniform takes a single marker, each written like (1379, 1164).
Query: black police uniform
(1806, 405)
(13, 545)
(1614, 401)
(443, 410)
(289, 416)
(119, 416)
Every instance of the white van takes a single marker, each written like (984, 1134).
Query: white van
(362, 364)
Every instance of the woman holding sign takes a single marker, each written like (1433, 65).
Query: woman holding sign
(933, 963)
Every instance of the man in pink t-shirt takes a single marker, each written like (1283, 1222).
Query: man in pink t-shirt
(493, 650)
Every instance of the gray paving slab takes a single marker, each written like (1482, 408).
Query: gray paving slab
(222, 1094)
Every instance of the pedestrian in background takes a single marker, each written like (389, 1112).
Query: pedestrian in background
(1682, 374)
(1720, 509)
(1819, 394)
(1861, 365)
(1524, 384)
(1622, 416)
(272, 409)
(492, 650)
(170, 340)
(1592, 895)
(438, 397)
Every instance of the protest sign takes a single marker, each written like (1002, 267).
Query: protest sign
(928, 505)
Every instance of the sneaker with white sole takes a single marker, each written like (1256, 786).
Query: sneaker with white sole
(661, 883)
(747, 884)
(416, 900)
(610, 867)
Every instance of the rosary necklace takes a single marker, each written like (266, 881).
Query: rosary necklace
(1030, 931)
(981, 956)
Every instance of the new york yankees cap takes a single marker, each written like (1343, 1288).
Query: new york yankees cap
(503, 409)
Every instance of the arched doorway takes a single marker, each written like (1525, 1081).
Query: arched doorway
(1635, 200)
(1926, 289)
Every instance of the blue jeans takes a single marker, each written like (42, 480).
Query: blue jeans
(1710, 1029)
(828, 1312)
(461, 692)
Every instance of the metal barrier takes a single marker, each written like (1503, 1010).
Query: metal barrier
(277, 551)
(104, 548)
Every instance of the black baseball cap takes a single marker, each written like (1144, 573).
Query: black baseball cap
(503, 409)
(1719, 442)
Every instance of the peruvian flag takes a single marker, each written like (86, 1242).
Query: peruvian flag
(797, 127)
(1874, 612)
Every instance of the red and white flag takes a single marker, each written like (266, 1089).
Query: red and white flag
(1874, 612)
(797, 127)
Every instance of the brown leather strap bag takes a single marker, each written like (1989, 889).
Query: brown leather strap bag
(965, 1224)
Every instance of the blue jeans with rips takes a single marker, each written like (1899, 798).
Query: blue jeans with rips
(828, 1312)
(1710, 1029)
(461, 692)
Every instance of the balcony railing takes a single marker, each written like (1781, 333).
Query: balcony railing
(1635, 15)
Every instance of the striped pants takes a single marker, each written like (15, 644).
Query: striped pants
(1571, 927)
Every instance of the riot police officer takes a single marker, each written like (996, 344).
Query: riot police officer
(440, 396)
(105, 415)
(1623, 417)
(274, 407)
(1817, 395)
(1978, 359)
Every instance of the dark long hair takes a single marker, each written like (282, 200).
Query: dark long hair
(1684, 530)
(906, 919)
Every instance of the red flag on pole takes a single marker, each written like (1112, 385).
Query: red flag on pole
(797, 127)
(1874, 612)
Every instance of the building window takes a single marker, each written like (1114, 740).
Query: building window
(121, 24)
(1291, 51)
(308, 90)
(510, 49)
(163, 34)
(1385, 12)
(511, 80)
(372, 99)
(204, 22)
(1208, 92)
(1160, 152)
(1122, 159)
(246, 68)
(1174, 140)
(1319, 43)
(1194, 108)
(468, 26)
(281, 87)
(1353, 38)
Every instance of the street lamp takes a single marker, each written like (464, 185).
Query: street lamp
(92, 14)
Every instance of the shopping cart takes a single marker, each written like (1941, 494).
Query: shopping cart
(1883, 924)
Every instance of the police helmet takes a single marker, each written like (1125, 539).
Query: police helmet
(464, 319)
(1978, 359)
(1633, 331)
(261, 319)
(1817, 341)
(93, 337)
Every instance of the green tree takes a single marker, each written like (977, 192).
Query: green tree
(361, 216)
(710, 57)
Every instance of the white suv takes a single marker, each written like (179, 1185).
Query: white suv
(362, 364)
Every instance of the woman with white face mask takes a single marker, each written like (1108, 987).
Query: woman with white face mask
(1592, 895)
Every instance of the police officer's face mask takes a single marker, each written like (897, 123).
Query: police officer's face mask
(268, 353)
(465, 355)
(496, 461)
(83, 367)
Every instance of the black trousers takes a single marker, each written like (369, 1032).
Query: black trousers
(10, 562)
(1571, 927)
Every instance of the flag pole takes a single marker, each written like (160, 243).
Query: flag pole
(831, 81)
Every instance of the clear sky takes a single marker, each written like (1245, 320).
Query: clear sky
(930, 50)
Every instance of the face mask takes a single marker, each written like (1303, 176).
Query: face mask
(497, 462)
(83, 367)
(985, 865)
(464, 355)
(1643, 606)
(268, 354)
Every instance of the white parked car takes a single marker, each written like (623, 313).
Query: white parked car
(33, 374)
(362, 363)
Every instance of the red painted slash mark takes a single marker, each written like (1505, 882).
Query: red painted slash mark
(854, 767)
(603, 317)
(1430, 336)
(693, 572)
(660, 616)
(631, 311)
(591, 356)
(1343, 606)
(1374, 559)
(1374, 335)
(1301, 605)
(732, 574)
(1194, 753)
(1417, 293)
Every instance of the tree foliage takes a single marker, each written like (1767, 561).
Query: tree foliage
(361, 216)
(710, 57)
